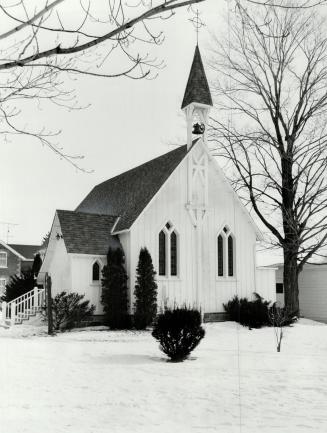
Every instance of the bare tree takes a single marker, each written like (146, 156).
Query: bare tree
(273, 89)
(41, 42)
(278, 318)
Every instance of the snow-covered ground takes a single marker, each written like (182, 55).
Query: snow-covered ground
(94, 381)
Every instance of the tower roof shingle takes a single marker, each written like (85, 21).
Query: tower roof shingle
(197, 88)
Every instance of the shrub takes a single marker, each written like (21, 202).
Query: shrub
(114, 290)
(178, 331)
(19, 285)
(68, 310)
(145, 291)
(253, 314)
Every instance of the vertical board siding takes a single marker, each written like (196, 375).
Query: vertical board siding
(266, 283)
(169, 205)
(313, 293)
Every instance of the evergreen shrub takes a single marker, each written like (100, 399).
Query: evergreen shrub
(145, 291)
(69, 310)
(19, 285)
(253, 314)
(114, 291)
(178, 331)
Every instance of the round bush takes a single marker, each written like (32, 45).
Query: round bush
(178, 331)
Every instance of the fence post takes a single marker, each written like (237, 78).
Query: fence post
(49, 303)
(36, 297)
(13, 312)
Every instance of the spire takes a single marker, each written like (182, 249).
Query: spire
(197, 88)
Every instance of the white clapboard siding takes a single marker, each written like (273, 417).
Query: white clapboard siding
(313, 292)
(266, 283)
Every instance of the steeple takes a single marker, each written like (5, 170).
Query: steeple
(197, 88)
(197, 99)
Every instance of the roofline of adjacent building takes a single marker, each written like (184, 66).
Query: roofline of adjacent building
(13, 251)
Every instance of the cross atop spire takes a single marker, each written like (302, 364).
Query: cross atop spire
(197, 88)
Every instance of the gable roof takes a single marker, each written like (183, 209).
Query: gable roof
(128, 194)
(27, 251)
(85, 233)
(24, 252)
(197, 88)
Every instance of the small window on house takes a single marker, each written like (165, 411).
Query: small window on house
(173, 254)
(96, 272)
(3, 259)
(162, 253)
(279, 288)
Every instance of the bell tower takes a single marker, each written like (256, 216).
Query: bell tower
(197, 101)
(196, 105)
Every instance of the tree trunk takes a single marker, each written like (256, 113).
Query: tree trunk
(291, 288)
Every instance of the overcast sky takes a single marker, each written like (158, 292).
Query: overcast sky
(128, 122)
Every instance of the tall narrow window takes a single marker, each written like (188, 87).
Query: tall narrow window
(96, 272)
(220, 256)
(173, 254)
(226, 253)
(162, 253)
(168, 251)
(230, 256)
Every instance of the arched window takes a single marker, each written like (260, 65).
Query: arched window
(162, 253)
(220, 256)
(168, 251)
(230, 256)
(173, 254)
(96, 272)
(225, 253)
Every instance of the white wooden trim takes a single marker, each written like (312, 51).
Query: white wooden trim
(114, 226)
(12, 250)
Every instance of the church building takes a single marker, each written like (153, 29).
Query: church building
(179, 206)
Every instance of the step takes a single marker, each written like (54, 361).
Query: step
(215, 317)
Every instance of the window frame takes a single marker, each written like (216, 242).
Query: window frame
(168, 256)
(6, 259)
(280, 286)
(96, 282)
(4, 286)
(225, 232)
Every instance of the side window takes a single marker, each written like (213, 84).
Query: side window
(279, 288)
(162, 253)
(3, 259)
(173, 254)
(2, 284)
(96, 272)
(220, 256)
(226, 253)
(168, 251)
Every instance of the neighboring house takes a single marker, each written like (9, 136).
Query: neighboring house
(181, 207)
(14, 259)
(312, 290)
